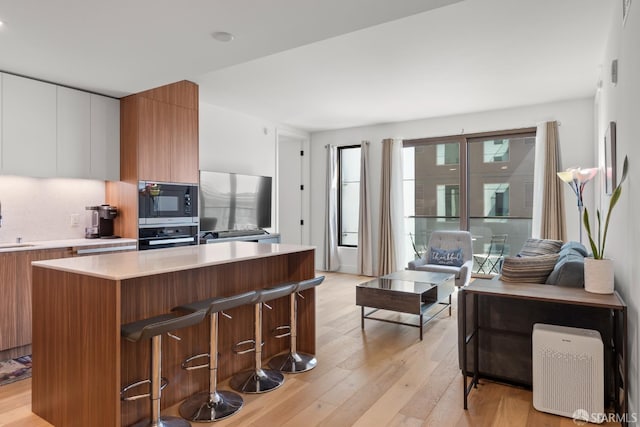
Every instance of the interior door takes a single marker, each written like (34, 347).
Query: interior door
(289, 192)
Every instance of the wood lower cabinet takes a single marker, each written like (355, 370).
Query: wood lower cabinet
(24, 282)
(8, 298)
(15, 294)
(16, 287)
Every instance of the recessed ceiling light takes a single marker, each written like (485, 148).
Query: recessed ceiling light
(1, 23)
(222, 36)
(503, 168)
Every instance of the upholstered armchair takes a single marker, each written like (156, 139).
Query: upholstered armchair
(443, 255)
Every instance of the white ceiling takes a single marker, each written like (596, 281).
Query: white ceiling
(317, 64)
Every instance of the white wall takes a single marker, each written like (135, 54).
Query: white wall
(235, 142)
(621, 103)
(576, 142)
(40, 209)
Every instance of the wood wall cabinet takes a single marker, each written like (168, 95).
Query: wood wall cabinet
(158, 142)
(160, 134)
(52, 131)
(155, 140)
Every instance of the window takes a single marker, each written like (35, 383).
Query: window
(348, 195)
(447, 154)
(448, 198)
(496, 200)
(496, 150)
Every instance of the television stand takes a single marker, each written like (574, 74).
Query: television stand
(239, 233)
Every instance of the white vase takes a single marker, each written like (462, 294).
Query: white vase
(598, 276)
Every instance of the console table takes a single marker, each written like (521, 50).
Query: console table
(547, 294)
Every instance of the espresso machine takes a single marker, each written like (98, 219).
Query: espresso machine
(101, 222)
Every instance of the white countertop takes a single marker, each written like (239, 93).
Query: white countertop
(66, 243)
(127, 265)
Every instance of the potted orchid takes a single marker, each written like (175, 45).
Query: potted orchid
(598, 273)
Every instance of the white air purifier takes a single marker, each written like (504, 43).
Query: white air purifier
(568, 372)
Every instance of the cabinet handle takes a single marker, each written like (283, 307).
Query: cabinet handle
(166, 241)
(111, 249)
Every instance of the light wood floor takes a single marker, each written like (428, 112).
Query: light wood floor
(382, 376)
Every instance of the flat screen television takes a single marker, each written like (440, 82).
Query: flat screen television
(232, 201)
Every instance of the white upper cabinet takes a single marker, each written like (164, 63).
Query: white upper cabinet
(28, 127)
(105, 138)
(74, 133)
(53, 131)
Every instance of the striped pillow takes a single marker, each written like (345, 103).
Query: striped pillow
(534, 269)
(535, 247)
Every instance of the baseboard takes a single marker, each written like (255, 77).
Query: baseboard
(12, 353)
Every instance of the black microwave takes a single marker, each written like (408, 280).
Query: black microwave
(161, 203)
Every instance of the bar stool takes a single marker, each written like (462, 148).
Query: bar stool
(214, 404)
(258, 380)
(294, 362)
(153, 328)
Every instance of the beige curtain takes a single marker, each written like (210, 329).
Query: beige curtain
(365, 248)
(553, 224)
(331, 259)
(386, 248)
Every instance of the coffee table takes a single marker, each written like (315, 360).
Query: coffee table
(409, 291)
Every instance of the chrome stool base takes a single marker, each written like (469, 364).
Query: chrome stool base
(202, 409)
(257, 381)
(293, 363)
(164, 422)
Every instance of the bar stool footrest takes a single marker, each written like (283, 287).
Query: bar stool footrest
(293, 363)
(257, 381)
(200, 407)
(164, 422)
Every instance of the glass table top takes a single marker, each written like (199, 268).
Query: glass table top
(398, 285)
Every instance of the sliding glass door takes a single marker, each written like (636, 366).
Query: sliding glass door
(500, 197)
(482, 183)
(431, 192)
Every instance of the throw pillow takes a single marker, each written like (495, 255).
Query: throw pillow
(533, 269)
(569, 269)
(574, 247)
(451, 257)
(535, 247)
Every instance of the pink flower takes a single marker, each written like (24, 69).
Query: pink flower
(577, 178)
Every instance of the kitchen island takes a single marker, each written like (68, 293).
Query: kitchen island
(80, 363)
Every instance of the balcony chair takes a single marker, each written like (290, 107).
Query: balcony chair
(490, 262)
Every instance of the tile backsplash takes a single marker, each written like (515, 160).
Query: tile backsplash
(41, 209)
